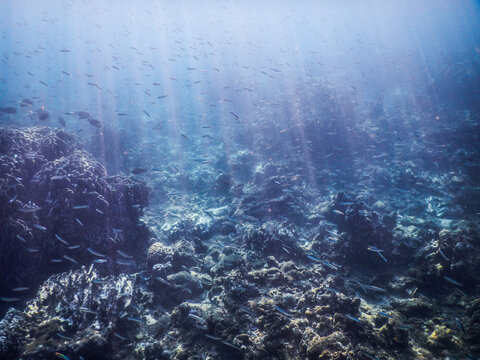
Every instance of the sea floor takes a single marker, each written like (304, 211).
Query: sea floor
(278, 258)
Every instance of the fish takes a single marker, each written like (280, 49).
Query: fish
(457, 320)
(21, 238)
(99, 211)
(68, 338)
(162, 97)
(353, 318)
(62, 122)
(119, 336)
(58, 177)
(39, 227)
(339, 212)
(78, 221)
(26, 102)
(209, 214)
(378, 251)
(58, 237)
(43, 115)
(9, 299)
(236, 116)
(333, 290)
(134, 319)
(43, 82)
(196, 318)
(66, 257)
(30, 209)
(381, 313)
(453, 281)
(282, 311)
(146, 113)
(123, 263)
(443, 255)
(78, 207)
(213, 337)
(100, 261)
(126, 256)
(162, 280)
(313, 258)
(373, 288)
(95, 85)
(88, 311)
(65, 50)
(185, 136)
(83, 114)
(73, 247)
(329, 264)
(8, 110)
(231, 345)
(94, 253)
(95, 122)
(139, 170)
(20, 288)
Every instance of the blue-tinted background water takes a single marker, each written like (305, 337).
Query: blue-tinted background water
(261, 60)
(292, 179)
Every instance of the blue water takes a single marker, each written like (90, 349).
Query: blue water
(261, 61)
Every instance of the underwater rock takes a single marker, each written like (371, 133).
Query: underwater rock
(273, 238)
(413, 307)
(441, 337)
(59, 209)
(74, 313)
(222, 184)
(332, 346)
(241, 164)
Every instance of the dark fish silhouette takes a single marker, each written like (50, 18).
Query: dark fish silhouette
(26, 102)
(62, 122)
(8, 110)
(43, 115)
(137, 171)
(95, 122)
(83, 114)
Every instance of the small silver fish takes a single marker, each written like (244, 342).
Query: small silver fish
(126, 256)
(453, 281)
(95, 253)
(59, 238)
(282, 311)
(79, 207)
(9, 299)
(66, 257)
(133, 319)
(20, 288)
(87, 311)
(353, 318)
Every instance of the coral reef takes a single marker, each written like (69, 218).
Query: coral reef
(246, 256)
(59, 209)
